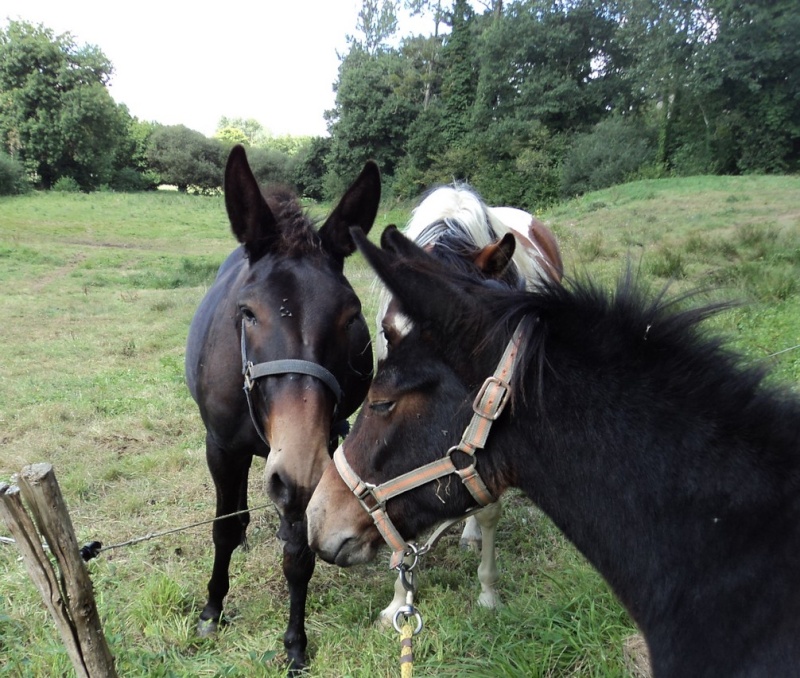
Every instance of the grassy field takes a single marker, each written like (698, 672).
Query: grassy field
(97, 295)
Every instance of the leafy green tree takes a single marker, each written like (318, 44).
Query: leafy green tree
(664, 40)
(722, 78)
(535, 97)
(426, 49)
(184, 158)
(271, 166)
(460, 73)
(369, 119)
(132, 171)
(56, 114)
(376, 24)
(288, 144)
(312, 167)
(752, 85)
(513, 162)
(446, 77)
(249, 132)
(547, 61)
(232, 136)
(616, 149)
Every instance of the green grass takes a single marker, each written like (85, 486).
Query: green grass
(97, 295)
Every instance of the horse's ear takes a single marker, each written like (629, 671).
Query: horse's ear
(252, 221)
(410, 274)
(493, 260)
(358, 207)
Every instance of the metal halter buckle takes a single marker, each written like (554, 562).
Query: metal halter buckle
(248, 382)
(498, 409)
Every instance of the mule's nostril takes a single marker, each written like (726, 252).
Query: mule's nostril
(278, 490)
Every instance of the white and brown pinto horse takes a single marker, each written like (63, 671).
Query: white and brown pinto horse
(456, 227)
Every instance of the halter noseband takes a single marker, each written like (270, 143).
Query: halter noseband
(487, 406)
(253, 372)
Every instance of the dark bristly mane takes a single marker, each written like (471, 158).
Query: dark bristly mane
(299, 236)
(628, 325)
(620, 332)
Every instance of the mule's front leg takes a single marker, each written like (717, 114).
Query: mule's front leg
(298, 566)
(230, 480)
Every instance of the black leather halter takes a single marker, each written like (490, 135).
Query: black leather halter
(253, 372)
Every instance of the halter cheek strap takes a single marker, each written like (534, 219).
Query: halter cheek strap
(487, 406)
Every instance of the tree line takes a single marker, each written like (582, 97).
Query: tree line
(529, 101)
(535, 100)
(61, 129)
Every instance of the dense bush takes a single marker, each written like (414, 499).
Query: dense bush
(66, 185)
(184, 157)
(271, 166)
(129, 180)
(612, 152)
(13, 179)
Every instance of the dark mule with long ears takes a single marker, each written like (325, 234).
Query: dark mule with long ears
(278, 356)
(674, 469)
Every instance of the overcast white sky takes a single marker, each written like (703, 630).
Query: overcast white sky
(191, 63)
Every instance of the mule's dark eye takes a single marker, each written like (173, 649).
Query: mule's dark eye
(382, 406)
(352, 321)
(248, 315)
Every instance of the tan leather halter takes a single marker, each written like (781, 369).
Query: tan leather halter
(487, 406)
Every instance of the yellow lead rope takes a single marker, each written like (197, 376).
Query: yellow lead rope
(406, 652)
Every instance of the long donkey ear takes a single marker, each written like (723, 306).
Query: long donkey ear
(252, 222)
(410, 274)
(358, 207)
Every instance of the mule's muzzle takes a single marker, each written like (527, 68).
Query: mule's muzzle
(340, 548)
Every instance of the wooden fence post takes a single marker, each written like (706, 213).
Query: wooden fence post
(69, 597)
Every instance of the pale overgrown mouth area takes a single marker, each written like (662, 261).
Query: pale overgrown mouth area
(91, 380)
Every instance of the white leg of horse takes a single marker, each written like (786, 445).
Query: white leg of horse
(386, 616)
(471, 535)
(487, 570)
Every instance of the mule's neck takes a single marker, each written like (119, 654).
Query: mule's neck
(681, 513)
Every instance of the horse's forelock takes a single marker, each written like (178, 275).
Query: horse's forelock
(452, 205)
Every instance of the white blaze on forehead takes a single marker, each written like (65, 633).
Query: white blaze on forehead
(401, 323)
(398, 322)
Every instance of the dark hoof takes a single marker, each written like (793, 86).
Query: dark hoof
(296, 668)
